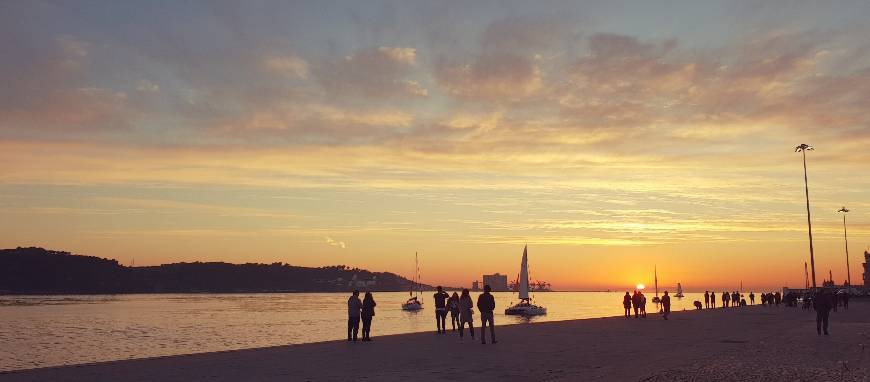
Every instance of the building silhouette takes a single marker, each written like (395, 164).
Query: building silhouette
(497, 282)
(866, 270)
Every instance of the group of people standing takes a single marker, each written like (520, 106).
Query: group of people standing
(729, 300)
(638, 302)
(461, 312)
(360, 310)
(460, 307)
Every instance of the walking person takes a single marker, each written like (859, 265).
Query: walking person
(486, 304)
(354, 306)
(441, 310)
(453, 308)
(822, 305)
(735, 299)
(666, 305)
(726, 299)
(846, 301)
(713, 299)
(368, 311)
(752, 298)
(706, 299)
(626, 304)
(466, 315)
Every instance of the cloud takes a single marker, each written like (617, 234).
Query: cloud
(334, 243)
(525, 33)
(147, 86)
(497, 76)
(290, 65)
(373, 72)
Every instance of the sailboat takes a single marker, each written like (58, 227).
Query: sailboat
(679, 293)
(525, 306)
(414, 304)
(656, 299)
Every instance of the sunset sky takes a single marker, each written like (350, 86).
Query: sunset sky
(608, 136)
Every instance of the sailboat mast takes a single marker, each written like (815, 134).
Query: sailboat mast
(419, 282)
(656, 278)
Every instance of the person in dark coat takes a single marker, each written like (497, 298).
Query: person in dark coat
(822, 304)
(354, 306)
(466, 313)
(666, 305)
(626, 303)
(368, 311)
(635, 302)
(486, 306)
(441, 310)
(453, 308)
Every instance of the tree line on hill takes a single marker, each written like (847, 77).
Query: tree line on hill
(40, 271)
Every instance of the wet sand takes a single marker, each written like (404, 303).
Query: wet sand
(751, 343)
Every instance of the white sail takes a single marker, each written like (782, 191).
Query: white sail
(524, 275)
(679, 288)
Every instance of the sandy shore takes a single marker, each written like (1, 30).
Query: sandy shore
(752, 343)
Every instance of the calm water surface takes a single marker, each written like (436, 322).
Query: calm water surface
(39, 331)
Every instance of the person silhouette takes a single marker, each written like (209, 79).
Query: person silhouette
(752, 298)
(726, 299)
(354, 306)
(367, 312)
(822, 305)
(453, 308)
(666, 305)
(713, 299)
(486, 305)
(707, 299)
(626, 303)
(466, 313)
(642, 305)
(441, 310)
(635, 302)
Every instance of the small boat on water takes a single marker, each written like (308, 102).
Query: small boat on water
(525, 307)
(414, 304)
(656, 299)
(679, 293)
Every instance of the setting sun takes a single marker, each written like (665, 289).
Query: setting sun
(641, 287)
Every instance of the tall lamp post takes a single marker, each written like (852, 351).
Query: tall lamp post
(844, 210)
(803, 148)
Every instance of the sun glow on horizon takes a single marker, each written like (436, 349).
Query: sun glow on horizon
(640, 287)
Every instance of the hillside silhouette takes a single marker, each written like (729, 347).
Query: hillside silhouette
(40, 271)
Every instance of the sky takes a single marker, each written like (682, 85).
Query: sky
(609, 137)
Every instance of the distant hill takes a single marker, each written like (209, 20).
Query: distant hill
(40, 271)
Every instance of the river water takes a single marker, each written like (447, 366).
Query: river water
(40, 331)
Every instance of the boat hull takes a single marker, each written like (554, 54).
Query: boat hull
(525, 310)
(410, 307)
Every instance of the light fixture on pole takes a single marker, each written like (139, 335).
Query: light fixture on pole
(844, 210)
(803, 148)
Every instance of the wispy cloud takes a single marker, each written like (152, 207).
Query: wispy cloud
(334, 243)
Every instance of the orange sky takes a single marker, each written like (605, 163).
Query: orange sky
(317, 134)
